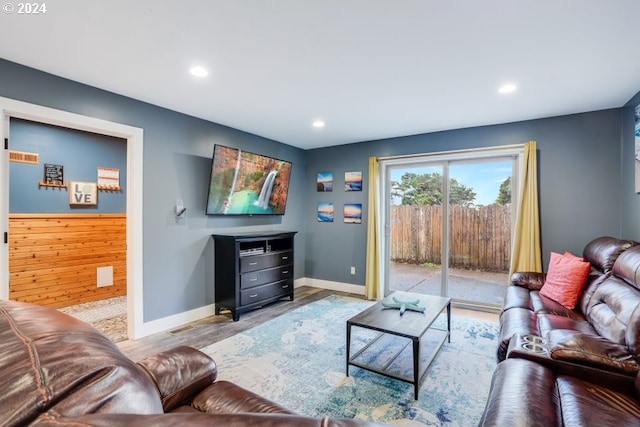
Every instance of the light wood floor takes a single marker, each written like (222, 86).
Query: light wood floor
(216, 328)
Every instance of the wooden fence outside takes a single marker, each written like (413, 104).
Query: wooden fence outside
(480, 237)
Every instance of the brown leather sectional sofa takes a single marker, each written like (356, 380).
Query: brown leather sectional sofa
(58, 371)
(580, 367)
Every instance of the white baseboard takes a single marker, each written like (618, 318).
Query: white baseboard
(181, 319)
(174, 321)
(328, 284)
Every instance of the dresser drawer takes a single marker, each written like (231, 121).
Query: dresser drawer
(259, 262)
(257, 278)
(261, 293)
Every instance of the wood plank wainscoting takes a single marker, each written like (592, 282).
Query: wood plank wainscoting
(53, 258)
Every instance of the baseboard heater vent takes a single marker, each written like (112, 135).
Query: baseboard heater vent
(184, 328)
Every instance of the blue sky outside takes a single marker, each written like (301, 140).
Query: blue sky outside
(483, 177)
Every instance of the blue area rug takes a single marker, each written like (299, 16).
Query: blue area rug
(298, 360)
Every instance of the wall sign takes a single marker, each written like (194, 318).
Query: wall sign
(53, 174)
(83, 194)
(108, 178)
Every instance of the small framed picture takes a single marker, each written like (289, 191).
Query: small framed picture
(353, 213)
(325, 212)
(325, 181)
(353, 181)
(53, 174)
(83, 193)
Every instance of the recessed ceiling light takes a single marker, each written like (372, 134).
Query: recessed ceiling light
(198, 71)
(318, 124)
(508, 88)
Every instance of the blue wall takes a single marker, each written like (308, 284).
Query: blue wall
(582, 160)
(177, 264)
(579, 184)
(80, 153)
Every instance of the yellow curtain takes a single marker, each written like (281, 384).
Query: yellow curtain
(526, 253)
(372, 278)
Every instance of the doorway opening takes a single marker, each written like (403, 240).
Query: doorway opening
(134, 136)
(448, 224)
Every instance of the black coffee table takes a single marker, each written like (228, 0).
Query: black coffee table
(412, 325)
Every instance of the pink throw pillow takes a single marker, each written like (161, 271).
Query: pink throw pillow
(566, 278)
(570, 255)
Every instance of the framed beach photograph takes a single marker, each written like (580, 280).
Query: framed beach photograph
(325, 181)
(353, 213)
(325, 212)
(353, 181)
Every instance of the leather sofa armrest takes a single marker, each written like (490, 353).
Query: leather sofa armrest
(227, 397)
(197, 419)
(528, 279)
(179, 374)
(591, 350)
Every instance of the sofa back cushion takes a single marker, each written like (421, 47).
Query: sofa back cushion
(596, 277)
(603, 252)
(614, 308)
(51, 362)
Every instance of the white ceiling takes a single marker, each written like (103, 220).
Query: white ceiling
(370, 68)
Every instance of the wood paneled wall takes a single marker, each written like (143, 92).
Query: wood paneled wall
(53, 258)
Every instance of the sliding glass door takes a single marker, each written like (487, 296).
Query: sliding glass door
(415, 228)
(448, 224)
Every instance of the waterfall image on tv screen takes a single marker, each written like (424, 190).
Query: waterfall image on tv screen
(244, 183)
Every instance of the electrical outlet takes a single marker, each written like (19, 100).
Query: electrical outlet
(105, 276)
(353, 270)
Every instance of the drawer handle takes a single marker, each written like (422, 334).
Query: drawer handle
(253, 296)
(285, 286)
(253, 279)
(285, 271)
(253, 263)
(285, 257)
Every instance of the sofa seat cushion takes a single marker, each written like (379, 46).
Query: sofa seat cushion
(550, 322)
(591, 350)
(587, 404)
(544, 305)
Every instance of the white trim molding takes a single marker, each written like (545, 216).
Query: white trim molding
(332, 286)
(135, 138)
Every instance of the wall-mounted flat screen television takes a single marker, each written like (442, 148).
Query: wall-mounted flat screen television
(244, 183)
